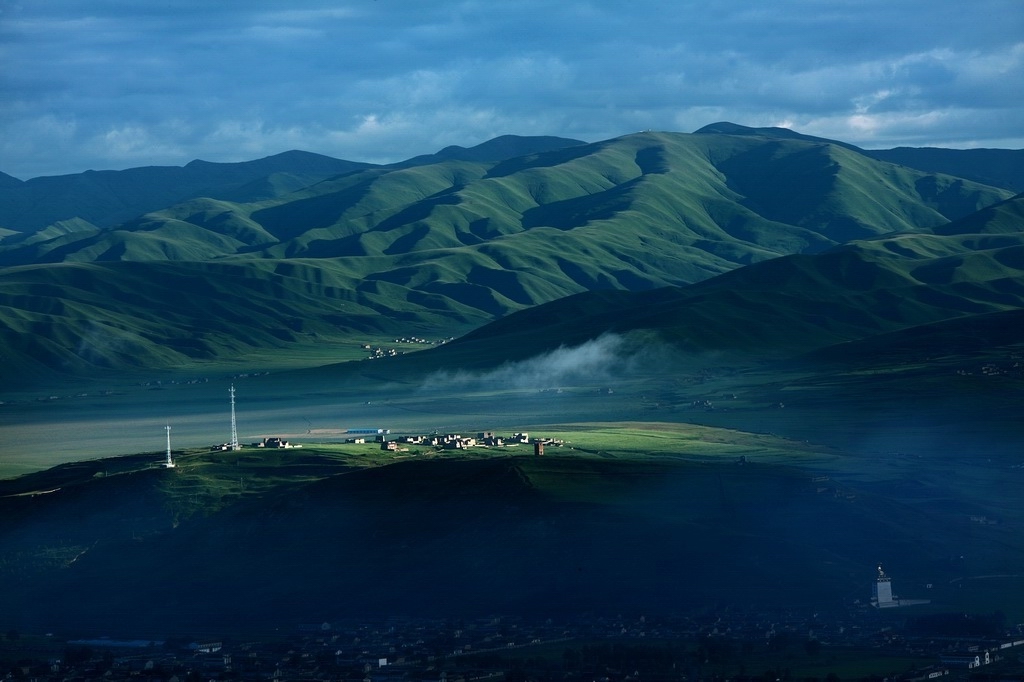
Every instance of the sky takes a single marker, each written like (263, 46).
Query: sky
(112, 84)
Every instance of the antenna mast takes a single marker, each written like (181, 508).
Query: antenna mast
(170, 462)
(234, 430)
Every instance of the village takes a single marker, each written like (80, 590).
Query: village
(400, 444)
(456, 441)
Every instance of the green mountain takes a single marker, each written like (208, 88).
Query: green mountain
(721, 199)
(108, 198)
(441, 248)
(790, 305)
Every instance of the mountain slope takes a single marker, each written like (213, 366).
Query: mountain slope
(108, 198)
(440, 248)
(738, 199)
(154, 314)
(789, 305)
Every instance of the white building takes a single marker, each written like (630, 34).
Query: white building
(881, 591)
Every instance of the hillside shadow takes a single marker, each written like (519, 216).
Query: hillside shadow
(578, 211)
(543, 160)
(290, 220)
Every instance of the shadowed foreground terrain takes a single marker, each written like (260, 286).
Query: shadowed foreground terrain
(259, 539)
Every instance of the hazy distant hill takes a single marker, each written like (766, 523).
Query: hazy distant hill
(498, 149)
(996, 167)
(9, 182)
(1005, 217)
(727, 128)
(1003, 168)
(106, 198)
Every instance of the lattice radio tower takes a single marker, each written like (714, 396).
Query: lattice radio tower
(234, 430)
(170, 462)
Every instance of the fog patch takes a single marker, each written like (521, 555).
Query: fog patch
(99, 342)
(601, 360)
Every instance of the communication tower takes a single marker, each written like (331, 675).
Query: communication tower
(234, 431)
(170, 462)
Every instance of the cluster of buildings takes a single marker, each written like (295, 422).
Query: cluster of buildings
(379, 352)
(457, 441)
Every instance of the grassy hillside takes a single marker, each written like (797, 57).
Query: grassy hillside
(85, 317)
(721, 200)
(785, 306)
(439, 248)
(170, 313)
(108, 198)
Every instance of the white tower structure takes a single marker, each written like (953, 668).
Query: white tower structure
(234, 431)
(881, 592)
(170, 462)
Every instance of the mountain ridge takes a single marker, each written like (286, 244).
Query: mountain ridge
(442, 248)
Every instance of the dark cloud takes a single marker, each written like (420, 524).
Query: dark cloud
(112, 83)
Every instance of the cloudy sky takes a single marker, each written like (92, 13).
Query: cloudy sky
(118, 83)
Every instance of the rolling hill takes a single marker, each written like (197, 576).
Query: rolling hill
(793, 304)
(445, 245)
(107, 198)
(731, 199)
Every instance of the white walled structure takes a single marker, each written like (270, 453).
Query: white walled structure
(881, 592)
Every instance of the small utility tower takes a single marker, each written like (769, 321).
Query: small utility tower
(170, 462)
(234, 431)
